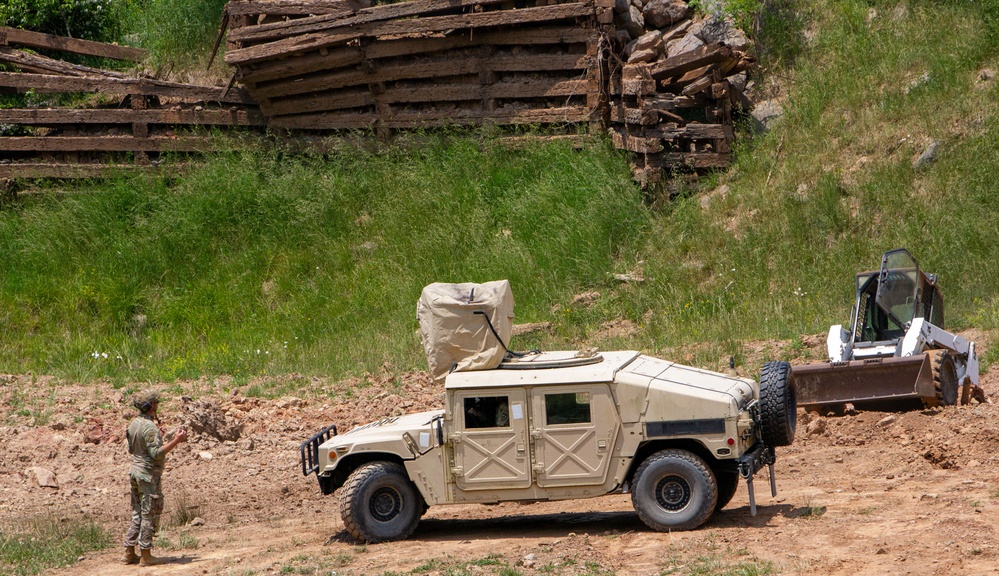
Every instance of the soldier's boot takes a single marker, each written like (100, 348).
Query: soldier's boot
(147, 558)
(130, 556)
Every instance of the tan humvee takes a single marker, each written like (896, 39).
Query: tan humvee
(557, 426)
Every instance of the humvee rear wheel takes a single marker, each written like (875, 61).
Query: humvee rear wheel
(728, 484)
(674, 490)
(944, 377)
(778, 404)
(378, 503)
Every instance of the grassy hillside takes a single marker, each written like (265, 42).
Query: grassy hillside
(265, 263)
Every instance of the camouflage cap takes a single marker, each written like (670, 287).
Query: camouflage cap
(145, 399)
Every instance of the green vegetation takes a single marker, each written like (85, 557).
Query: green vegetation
(48, 542)
(266, 263)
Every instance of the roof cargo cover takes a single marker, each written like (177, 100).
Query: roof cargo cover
(456, 336)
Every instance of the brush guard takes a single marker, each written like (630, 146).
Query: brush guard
(309, 450)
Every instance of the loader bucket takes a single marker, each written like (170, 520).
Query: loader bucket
(860, 381)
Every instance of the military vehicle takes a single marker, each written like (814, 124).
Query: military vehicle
(554, 426)
(896, 350)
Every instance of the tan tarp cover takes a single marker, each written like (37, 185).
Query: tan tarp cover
(457, 339)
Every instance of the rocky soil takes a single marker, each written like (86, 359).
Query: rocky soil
(865, 493)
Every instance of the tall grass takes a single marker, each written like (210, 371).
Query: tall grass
(268, 262)
(262, 263)
(48, 542)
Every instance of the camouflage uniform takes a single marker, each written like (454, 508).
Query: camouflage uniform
(145, 443)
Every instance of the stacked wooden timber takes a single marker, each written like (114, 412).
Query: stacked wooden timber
(148, 117)
(673, 96)
(347, 64)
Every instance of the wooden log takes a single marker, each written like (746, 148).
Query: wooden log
(429, 93)
(421, 69)
(691, 131)
(292, 7)
(56, 116)
(332, 21)
(37, 62)
(39, 41)
(427, 25)
(350, 120)
(22, 82)
(104, 144)
(638, 116)
(682, 63)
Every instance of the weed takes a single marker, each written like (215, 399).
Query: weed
(867, 511)
(184, 511)
(48, 542)
(185, 541)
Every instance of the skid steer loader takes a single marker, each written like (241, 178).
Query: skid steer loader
(897, 349)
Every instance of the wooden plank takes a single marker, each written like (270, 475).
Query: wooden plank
(349, 56)
(696, 160)
(14, 171)
(429, 93)
(670, 102)
(292, 8)
(639, 144)
(104, 144)
(37, 40)
(421, 70)
(25, 60)
(430, 24)
(54, 116)
(682, 63)
(22, 82)
(691, 131)
(338, 58)
(699, 85)
(330, 22)
(349, 120)
(639, 116)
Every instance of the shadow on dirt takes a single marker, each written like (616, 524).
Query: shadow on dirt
(562, 524)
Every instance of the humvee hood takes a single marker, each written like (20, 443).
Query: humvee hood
(680, 392)
(393, 426)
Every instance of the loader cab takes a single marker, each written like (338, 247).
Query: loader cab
(890, 298)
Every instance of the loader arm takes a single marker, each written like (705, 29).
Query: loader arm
(923, 336)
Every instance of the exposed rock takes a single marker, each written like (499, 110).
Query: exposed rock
(42, 476)
(766, 113)
(199, 521)
(684, 45)
(289, 402)
(663, 13)
(205, 417)
(816, 427)
(720, 29)
(887, 421)
(93, 433)
(206, 456)
(650, 41)
(928, 155)
(633, 22)
(621, 6)
(585, 298)
(642, 56)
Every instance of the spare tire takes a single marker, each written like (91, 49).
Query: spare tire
(778, 404)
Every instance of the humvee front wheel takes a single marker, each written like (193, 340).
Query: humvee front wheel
(674, 490)
(728, 485)
(378, 503)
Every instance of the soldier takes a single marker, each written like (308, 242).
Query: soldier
(145, 444)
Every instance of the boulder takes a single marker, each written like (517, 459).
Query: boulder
(639, 56)
(621, 6)
(665, 13)
(42, 476)
(684, 45)
(650, 41)
(633, 22)
(715, 28)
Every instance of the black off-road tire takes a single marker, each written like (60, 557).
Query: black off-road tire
(945, 383)
(728, 484)
(674, 490)
(778, 404)
(378, 503)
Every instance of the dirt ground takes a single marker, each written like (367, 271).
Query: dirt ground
(867, 493)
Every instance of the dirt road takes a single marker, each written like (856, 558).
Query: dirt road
(869, 493)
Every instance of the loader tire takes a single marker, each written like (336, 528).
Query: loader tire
(944, 377)
(778, 404)
(379, 503)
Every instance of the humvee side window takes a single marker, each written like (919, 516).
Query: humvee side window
(487, 412)
(568, 408)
